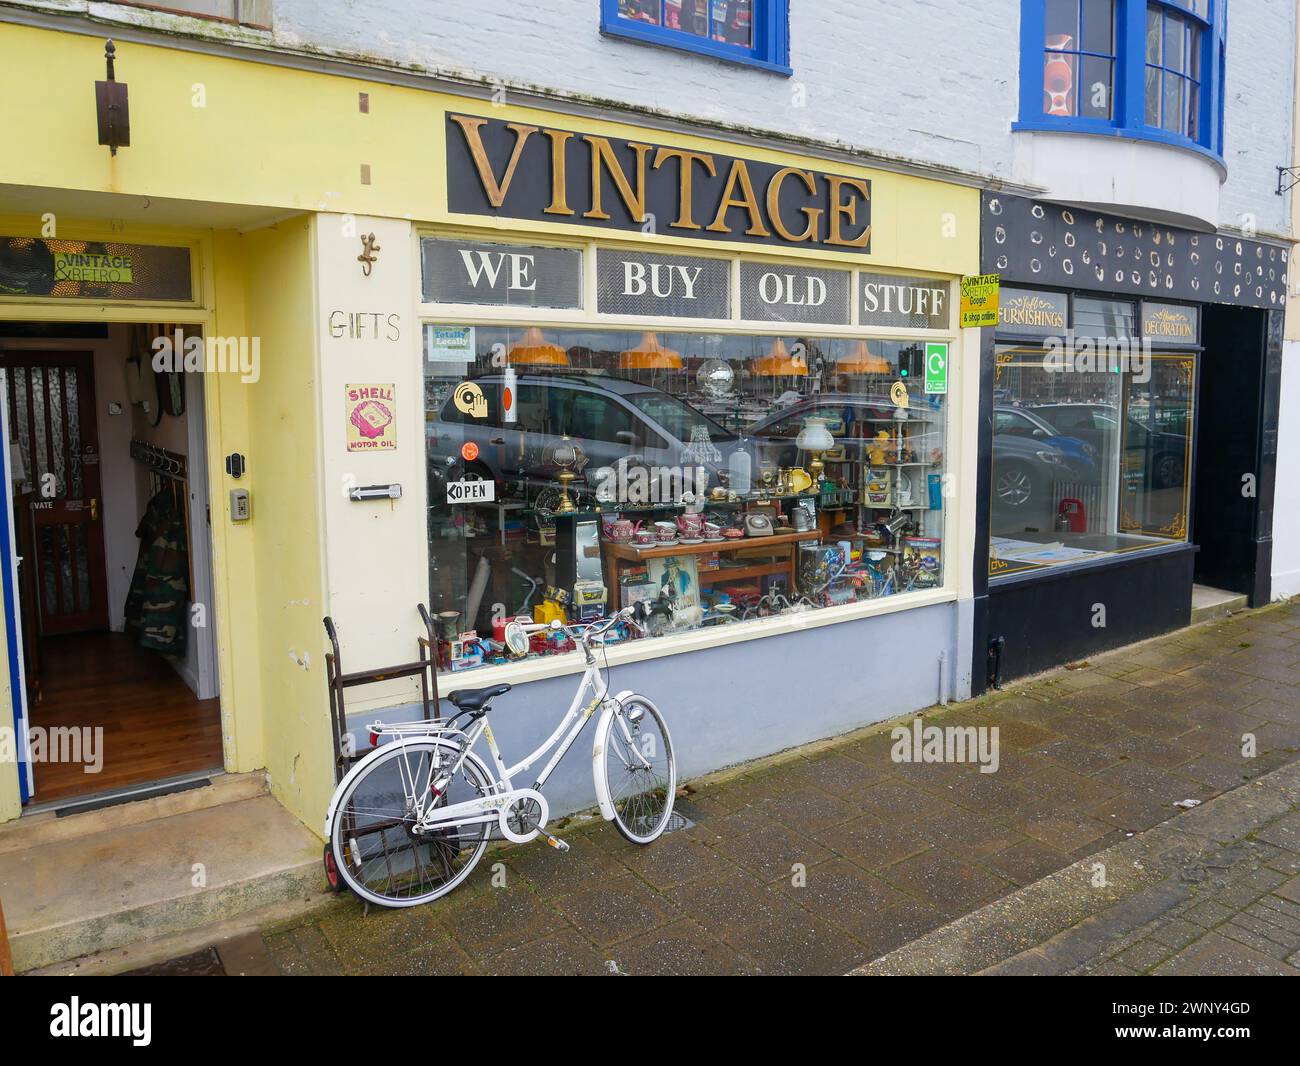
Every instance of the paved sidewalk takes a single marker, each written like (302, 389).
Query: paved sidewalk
(833, 856)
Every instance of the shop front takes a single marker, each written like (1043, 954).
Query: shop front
(724, 384)
(1130, 411)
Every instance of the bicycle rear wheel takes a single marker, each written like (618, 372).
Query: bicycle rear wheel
(640, 769)
(379, 853)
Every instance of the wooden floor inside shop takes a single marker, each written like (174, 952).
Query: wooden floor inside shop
(154, 726)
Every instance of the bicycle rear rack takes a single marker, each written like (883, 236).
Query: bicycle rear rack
(425, 667)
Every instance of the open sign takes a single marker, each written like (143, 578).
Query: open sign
(475, 491)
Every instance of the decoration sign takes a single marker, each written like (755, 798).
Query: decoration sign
(909, 303)
(99, 270)
(936, 367)
(650, 284)
(794, 294)
(1038, 314)
(1169, 323)
(372, 417)
(979, 300)
(515, 275)
(518, 170)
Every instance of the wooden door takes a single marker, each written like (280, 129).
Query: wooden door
(52, 415)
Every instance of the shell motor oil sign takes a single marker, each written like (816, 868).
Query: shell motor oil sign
(372, 417)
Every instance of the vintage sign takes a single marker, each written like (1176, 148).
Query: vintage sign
(449, 344)
(1169, 323)
(936, 367)
(518, 170)
(1039, 314)
(471, 491)
(675, 286)
(794, 294)
(979, 300)
(485, 272)
(910, 303)
(100, 270)
(371, 417)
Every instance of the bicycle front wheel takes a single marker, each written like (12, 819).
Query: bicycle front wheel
(377, 849)
(639, 768)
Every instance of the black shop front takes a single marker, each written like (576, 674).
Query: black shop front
(1128, 428)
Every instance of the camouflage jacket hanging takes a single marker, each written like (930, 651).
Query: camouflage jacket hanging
(159, 595)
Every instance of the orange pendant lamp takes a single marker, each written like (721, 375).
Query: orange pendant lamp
(862, 360)
(650, 355)
(778, 363)
(534, 350)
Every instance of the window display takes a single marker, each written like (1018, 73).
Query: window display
(718, 478)
(1091, 440)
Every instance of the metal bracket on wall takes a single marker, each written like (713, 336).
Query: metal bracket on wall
(1287, 179)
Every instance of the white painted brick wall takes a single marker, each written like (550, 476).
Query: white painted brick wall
(929, 80)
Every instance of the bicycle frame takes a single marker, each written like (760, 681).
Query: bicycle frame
(492, 807)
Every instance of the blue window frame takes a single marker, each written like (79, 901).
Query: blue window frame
(751, 32)
(1149, 69)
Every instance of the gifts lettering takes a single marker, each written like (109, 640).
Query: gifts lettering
(365, 325)
(519, 170)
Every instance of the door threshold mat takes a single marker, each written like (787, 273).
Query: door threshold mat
(131, 797)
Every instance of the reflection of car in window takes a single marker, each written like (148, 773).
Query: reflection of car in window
(1158, 450)
(610, 418)
(1028, 456)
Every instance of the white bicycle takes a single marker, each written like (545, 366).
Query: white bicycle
(412, 818)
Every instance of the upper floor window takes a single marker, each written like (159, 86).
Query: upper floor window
(1151, 69)
(245, 12)
(752, 32)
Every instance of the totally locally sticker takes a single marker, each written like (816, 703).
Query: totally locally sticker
(371, 417)
(471, 491)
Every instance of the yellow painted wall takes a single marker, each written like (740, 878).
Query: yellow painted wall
(297, 140)
(286, 589)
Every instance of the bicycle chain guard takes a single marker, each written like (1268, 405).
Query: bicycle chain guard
(521, 797)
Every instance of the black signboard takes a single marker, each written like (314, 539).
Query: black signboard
(1045, 244)
(517, 170)
(814, 295)
(93, 270)
(650, 284)
(908, 303)
(484, 272)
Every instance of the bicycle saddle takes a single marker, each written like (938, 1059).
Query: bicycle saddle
(473, 699)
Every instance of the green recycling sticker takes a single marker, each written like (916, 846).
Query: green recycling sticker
(936, 367)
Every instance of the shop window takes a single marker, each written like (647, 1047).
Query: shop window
(1151, 70)
(719, 478)
(1091, 446)
(754, 32)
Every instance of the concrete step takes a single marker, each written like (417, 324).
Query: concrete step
(1210, 603)
(88, 893)
(48, 827)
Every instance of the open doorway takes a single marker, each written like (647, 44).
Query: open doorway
(112, 589)
(1231, 482)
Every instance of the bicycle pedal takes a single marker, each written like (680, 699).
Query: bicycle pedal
(556, 842)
